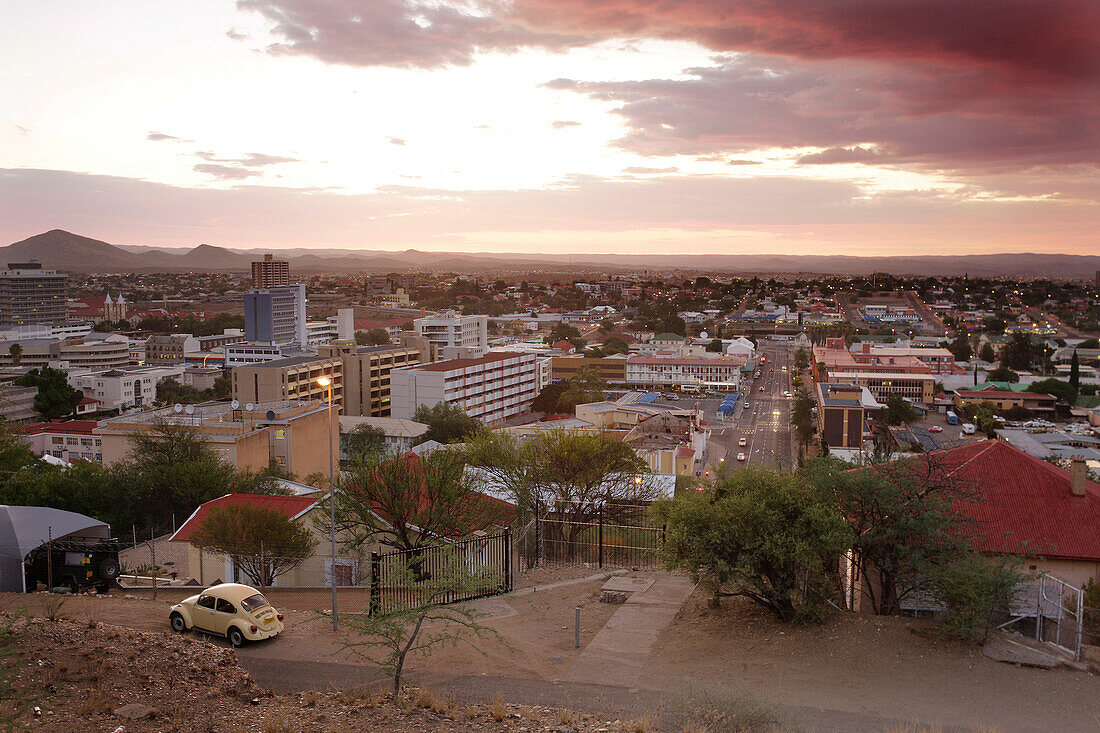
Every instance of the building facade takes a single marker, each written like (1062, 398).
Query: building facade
(294, 435)
(126, 387)
(93, 352)
(270, 273)
(491, 388)
(169, 348)
(31, 295)
(449, 329)
(276, 315)
(840, 415)
(72, 440)
(294, 378)
(665, 373)
(367, 374)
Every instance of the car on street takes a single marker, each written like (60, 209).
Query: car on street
(935, 429)
(238, 612)
(742, 457)
(743, 442)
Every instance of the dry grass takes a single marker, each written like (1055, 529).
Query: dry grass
(566, 717)
(647, 723)
(276, 726)
(95, 702)
(497, 709)
(309, 699)
(52, 603)
(472, 711)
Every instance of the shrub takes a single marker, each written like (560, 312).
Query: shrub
(975, 589)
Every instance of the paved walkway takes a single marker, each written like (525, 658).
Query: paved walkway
(618, 652)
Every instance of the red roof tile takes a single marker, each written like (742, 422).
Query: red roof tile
(71, 427)
(291, 506)
(1026, 505)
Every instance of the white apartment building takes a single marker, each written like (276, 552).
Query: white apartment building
(660, 373)
(119, 389)
(451, 329)
(254, 353)
(492, 388)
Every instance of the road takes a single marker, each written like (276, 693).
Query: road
(766, 423)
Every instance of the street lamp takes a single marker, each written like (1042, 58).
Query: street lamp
(327, 382)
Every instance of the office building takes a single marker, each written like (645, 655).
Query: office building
(449, 329)
(491, 388)
(169, 348)
(31, 295)
(292, 434)
(840, 415)
(71, 440)
(270, 273)
(292, 378)
(110, 350)
(718, 372)
(367, 371)
(276, 315)
(124, 387)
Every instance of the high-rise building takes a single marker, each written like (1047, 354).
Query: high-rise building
(367, 371)
(448, 330)
(270, 273)
(276, 315)
(30, 295)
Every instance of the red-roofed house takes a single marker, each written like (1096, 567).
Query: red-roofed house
(70, 440)
(208, 568)
(1028, 508)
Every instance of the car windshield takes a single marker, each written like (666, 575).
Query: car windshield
(253, 602)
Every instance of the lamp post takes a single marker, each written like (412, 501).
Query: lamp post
(327, 382)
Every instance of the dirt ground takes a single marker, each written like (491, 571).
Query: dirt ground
(889, 667)
(535, 627)
(76, 677)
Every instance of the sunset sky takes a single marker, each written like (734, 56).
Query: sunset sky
(655, 126)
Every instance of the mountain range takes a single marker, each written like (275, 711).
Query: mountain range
(71, 252)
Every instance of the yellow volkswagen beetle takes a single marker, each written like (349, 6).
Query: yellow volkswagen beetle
(238, 612)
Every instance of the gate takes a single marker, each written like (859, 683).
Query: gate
(404, 578)
(586, 534)
(1060, 613)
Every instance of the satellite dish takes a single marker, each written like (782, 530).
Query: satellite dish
(703, 335)
(248, 406)
(235, 404)
(190, 409)
(270, 414)
(178, 408)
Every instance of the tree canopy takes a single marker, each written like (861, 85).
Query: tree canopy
(446, 423)
(55, 398)
(264, 543)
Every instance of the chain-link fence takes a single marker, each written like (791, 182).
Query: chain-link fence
(590, 534)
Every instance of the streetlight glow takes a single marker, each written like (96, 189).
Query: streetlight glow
(324, 381)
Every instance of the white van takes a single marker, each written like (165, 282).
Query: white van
(969, 428)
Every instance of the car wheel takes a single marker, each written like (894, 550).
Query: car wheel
(108, 570)
(236, 638)
(178, 623)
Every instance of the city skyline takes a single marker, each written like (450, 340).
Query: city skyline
(571, 127)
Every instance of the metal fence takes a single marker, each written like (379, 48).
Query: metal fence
(404, 578)
(588, 534)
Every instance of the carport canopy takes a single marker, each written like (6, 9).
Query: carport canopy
(24, 528)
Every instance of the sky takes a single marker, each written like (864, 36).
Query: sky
(858, 127)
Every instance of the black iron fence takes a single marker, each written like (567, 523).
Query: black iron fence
(444, 573)
(598, 535)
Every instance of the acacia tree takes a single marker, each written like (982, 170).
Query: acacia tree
(578, 475)
(262, 542)
(906, 520)
(411, 501)
(422, 620)
(802, 419)
(765, 535)
(446, 423)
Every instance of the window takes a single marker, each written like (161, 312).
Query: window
(253, 602)
(280, 433)
(206, 602)
(225, 606)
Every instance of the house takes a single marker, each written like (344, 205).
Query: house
(208, 568)
(1024, 507)
(1005, 399)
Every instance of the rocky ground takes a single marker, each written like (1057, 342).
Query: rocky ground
(88, 676)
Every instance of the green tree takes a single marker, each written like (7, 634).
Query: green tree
(1003, 374)
(55, 398)
(364, 440)
(373, 337)
(801, 359)
(905, 518)
(14, 452)
(262, 542)
(802, 419)
(615, 345)
(760, 534)
(585, 386)
(562, 332)
(715, 345)
(409, 501)
(1075, 373)
(423, 618)
(960, 347)
(899, 411)
(1020, 352)
(547, 400)
(85, 487)
(446, 423)
(171, 392)
(223, 387)
(986, 353)
(1064, 391)
(974, 588)
(16, 353)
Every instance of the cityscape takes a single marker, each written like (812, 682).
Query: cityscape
(574, 367)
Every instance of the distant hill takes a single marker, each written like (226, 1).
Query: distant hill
(67, 251)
